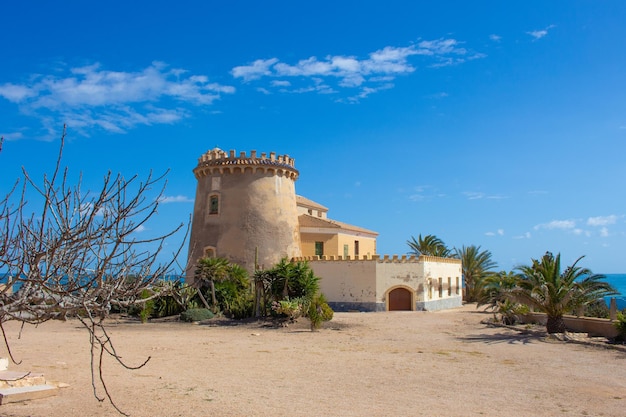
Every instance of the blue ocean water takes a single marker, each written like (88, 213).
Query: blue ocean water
(619, 282)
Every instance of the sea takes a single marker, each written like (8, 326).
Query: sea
(619, 282)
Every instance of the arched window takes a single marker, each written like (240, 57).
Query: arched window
(209, 252)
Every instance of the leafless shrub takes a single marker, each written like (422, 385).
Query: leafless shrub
(68, 252)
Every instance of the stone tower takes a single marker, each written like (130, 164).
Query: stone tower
(244, 205)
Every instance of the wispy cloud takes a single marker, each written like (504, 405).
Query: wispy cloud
(602, 220)
(368, 75)
(12, 135)
(439, 95)
(116, 101)
(495, 38)
(473, 195)
(477, 195)
(526, 235)
(557, 224)
(499, 232)
(175, 199)
(538, 34)
(425, 192)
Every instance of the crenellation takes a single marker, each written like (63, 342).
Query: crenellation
(217, 161)
(376, 258)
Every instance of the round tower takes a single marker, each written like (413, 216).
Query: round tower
(245, 207)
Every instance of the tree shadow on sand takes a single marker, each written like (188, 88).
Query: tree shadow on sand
(523, 337)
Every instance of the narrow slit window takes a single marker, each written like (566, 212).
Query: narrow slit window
(214, 204)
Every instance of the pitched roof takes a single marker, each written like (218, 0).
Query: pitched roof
(306, 220)
(305, 202)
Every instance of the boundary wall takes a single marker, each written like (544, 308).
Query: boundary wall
(593, 326)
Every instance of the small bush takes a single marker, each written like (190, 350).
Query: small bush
(196, 314)
(319, 312)
(147, 308)
(620, 325)
(597, 308)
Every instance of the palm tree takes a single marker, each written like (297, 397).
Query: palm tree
(430, 245)
(211, 270)
(495, 290)
(476, 266)
(543, 287)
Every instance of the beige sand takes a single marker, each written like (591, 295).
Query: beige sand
(375, 364)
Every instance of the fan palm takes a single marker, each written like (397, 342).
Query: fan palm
(545, 288)
(429, 245)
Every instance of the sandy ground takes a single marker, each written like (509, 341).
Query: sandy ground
(375, 364)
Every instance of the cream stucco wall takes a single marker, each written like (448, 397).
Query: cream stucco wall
(347, 281)
(365, 284)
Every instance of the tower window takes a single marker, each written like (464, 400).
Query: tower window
(356, 248)
(214, 204)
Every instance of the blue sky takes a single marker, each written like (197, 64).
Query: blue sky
(499, 124)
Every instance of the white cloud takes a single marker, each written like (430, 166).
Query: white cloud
(439, 95)
(499, 232)
(371, 74)
(526, 235)
(115, 101)
(175, 199)
(604, 232)
(258, 69)
(495, 38)
(602, 220)
(538, 34)
(557, 224)
(12, 136)
(473, 195)
(16, 93)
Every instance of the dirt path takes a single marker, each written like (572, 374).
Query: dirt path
(376, 364)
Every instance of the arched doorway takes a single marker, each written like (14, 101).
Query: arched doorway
(400, 299)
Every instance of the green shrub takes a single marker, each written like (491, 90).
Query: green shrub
(620, 325)
(147, 308)
(596, 308)
(319, 311)
(196, 314)
(165, 306)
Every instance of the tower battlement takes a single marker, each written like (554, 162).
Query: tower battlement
(217, 160)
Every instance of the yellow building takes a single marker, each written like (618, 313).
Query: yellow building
(321, 236)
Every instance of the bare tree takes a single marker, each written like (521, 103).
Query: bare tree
(68, 252)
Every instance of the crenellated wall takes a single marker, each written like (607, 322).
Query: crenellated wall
(218, 161)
